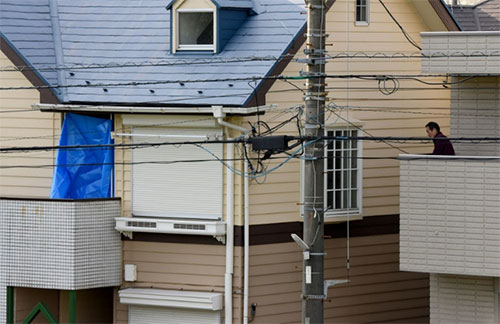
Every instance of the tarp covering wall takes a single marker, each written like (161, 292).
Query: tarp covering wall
(83, 173)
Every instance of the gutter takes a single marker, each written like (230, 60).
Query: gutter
(150, 110)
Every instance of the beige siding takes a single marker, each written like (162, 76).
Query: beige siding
(476, 113)
(25, 128)
(189, 267)
(378, 291)
(463, 299)
(415, 105)
(450, 216)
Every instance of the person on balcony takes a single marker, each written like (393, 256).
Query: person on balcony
(441, 146)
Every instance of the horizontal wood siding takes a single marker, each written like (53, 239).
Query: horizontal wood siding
(403, 113)
(20, 127)
(188, 267)
(378, 291)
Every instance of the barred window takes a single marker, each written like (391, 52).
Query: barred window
(342, 174)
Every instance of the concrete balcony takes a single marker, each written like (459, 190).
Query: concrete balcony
(461, 53)
(59, 244)
(450, 214)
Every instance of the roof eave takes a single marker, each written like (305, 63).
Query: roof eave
(150, 110)
(37, 79)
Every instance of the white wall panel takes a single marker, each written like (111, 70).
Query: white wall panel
(450, 216)
(59, 244)
(461, 52)
(463, 299)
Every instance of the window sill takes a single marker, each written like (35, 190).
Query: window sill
(342, 217)
(362, 23)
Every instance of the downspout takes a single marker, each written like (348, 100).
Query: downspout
(228, 278)
(246, 238)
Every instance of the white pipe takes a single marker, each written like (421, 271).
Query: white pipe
(246, 241)
(228, 278)
(201, 137)
(229, 125)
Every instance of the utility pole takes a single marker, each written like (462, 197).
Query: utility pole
(315, 97)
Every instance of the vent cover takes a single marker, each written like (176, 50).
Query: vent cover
(198, 227)
(142, 224)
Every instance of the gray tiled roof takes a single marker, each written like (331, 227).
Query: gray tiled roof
(134, 31)
(484, 16)
(27, 24)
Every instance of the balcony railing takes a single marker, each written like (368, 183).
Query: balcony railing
(450, 214)
(461, 53)
(59, 244)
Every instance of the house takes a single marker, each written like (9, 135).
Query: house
(183, 252)
(450, 206)
(483, 16)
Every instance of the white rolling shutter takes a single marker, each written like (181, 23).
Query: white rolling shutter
(156, 315)
(183, 189)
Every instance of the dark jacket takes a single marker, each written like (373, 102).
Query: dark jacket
(442, 146)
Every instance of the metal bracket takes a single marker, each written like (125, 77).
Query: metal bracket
(313, 51)
(220, 238)
(307, 297)
(329, 283)
(315, 98)
(317, 35)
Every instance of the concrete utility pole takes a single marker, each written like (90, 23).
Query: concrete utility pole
(313, 284)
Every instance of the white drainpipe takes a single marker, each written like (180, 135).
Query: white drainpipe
(246, 237)
(228, 278)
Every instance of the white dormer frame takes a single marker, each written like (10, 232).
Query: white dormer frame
(193, 6)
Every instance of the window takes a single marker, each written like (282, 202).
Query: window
(342, 174)
(362, 7)
(195, 30)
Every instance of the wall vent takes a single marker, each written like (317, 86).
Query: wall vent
(142, 224)
(198, 227)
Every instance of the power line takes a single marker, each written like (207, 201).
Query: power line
(406, 35)
(369, 77)
(395, 139)
(231, 60)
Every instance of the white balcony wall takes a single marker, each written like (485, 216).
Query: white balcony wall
(59, 244)
(450, 215)
(476, 113)
(461, 53)
(463, 299)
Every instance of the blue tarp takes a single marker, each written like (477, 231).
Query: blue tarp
(83, 173)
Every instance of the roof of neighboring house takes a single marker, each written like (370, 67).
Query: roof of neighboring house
(135, 35)
(484, 16)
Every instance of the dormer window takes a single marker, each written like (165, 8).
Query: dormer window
(195, 30)
(205, 25)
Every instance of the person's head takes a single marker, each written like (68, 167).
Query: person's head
(432, 129)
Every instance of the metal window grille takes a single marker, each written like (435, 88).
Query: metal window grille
(342, 174)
